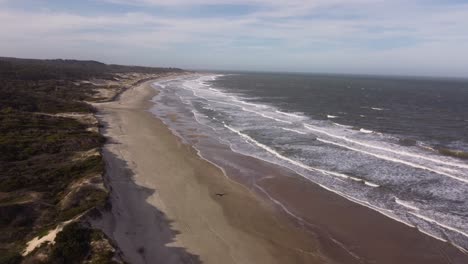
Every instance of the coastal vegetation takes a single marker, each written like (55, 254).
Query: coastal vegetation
(51, 168)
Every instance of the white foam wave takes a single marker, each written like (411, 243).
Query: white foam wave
(266, 116)
(382, 211)
(368, 183)
(366, 131)
(196, 115)
(194, 91)
(394, 160)
(215, 90)
(377, 108)
(244, 109)
(246, 103)
(460, 248)
(294, 130)
(278, 155)
(439, 224)
(442, 171)
(340, 125)
(403, 153)
(431, 235)
(331, 116)
(406, 204)
(368, 205)
(290, 114)
(426, 147)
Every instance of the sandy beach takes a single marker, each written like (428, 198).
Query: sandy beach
(171, 206)
(165, 207)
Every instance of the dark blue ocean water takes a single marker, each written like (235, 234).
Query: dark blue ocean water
(373, 140)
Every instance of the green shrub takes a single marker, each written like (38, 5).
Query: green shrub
(71, 245)
(8, 257)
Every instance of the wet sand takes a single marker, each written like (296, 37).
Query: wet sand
(365, 234)
(166, 206)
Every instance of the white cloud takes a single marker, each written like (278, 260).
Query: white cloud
(336, 34)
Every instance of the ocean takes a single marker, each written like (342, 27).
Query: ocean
(397, 145)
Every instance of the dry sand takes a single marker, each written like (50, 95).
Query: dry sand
(164, 203)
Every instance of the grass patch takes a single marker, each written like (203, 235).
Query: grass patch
(93, 198)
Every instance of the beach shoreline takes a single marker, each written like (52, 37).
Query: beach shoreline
(165, 207)
(151, 170)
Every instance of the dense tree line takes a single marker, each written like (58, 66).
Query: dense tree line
(31, 69)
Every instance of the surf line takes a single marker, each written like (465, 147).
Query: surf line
(439, 224)
(380, 210)
(293, 130)
(299, 164)
(290, 114)
(194, 91)
(394, 160)
(385, 149)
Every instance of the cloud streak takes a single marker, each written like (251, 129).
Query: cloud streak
(361, 36)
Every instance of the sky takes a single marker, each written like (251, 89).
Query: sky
(395, 37)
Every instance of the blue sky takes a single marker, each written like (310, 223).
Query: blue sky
(412, 37)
